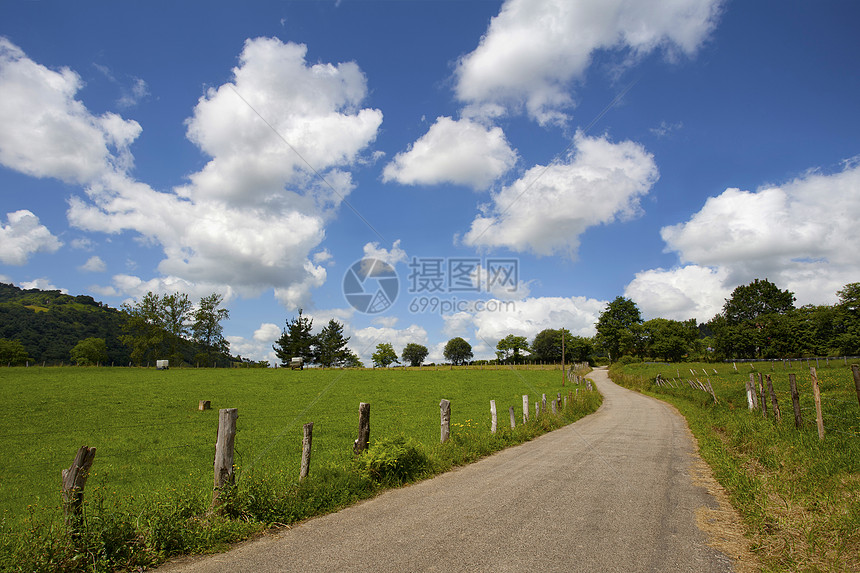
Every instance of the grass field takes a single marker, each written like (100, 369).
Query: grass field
(155, 449)
(799, 496)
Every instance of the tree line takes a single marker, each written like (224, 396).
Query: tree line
(758, 321)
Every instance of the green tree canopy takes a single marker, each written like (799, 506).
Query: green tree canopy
(206, 328)
(384, 355)
(12, 352)
(458, 351)
(331, 349)
(296, 341)
(760, 297)
(617, 328)
(414, 354)
(89, 352)
(511, 348)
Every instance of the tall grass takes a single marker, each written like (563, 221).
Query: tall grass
(799, 496)
(149, 490)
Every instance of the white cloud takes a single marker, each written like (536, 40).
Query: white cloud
(496, 319)
(23, 236)
(392, 257)
(94, 264)
(255, 213)
(462, 152)
(364, 341)
(135, 287)
(687, 292)
(276, 114)
(268, 333)
(47, 132)
(535, 49)
(800, 235)
(547, 209)
(41, 284)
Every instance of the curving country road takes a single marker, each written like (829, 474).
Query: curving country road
(613, 492)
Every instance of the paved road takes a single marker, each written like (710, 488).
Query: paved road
(612, 492)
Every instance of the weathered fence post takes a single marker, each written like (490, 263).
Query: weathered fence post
(763, 397)
(525, 408)
(224, 452)
(855, 370)
(204, 405)
(795, 401)
(363, 428)
(74, 480)
(554, 407)
(493, 416)
(543, 403)
(773, 401)
(588, 384)
(307, 438)
(445, 413)
(513, 419)
(751, 393)
(816, 394)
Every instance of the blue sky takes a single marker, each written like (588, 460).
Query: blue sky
(667, 152)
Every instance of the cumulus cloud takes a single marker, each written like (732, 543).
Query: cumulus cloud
(267, 333)
(534, 50)
(391, 256)
(94, 264)
(22, 236)
(547, 209)
(496, 318)
(47, 132)
(800, 235)
(462, 152)
(41, 284)
(364, 341)
(277, 117)
(253, 216)
(682, 293)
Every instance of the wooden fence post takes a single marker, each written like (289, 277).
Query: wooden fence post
(763, 398)
(816, 394)
(750, 394)
(307, 438)
(445, 413)
(74, 480)
(204, 405)
(224, 452)
(855, 370)
(363, 428)
(513, 419)
(773, 400)
(543, 403)
(554, 407)
(493, 416)
(525, 408)
(795, 401)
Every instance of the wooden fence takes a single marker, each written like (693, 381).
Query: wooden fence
(75, 477)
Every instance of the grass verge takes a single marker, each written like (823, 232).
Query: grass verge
(799, 496)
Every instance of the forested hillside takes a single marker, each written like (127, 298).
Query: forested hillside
(49, 323)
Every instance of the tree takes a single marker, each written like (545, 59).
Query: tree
(458, 351)
(546, 346)
(617, 331)
(747, 326)
(510, 347)
(414, 354)
(89, 352)
(384, 355)
(758, 298)
(12, 352)
(351, 360)
(143, 328)
(331, 349)
(670, 340)
(176, 314)
(296, 341)
(207, 330)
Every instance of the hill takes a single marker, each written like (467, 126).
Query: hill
(49, 323)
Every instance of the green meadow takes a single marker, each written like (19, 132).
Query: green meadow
(799, 495)
(153, 467)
